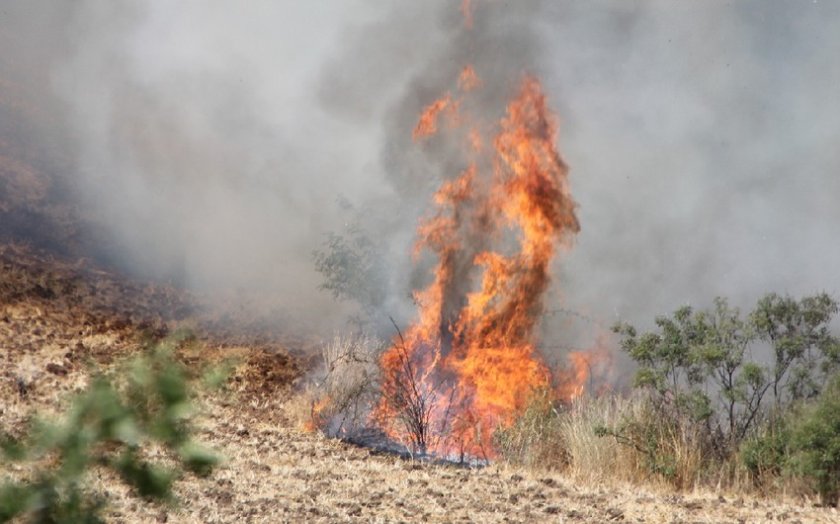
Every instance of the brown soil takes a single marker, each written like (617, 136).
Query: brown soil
(59, 320)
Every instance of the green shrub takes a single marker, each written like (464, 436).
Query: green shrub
(696, 364)
(815, 443)
(697, 369)
(108, 425)
(351, 265)
(765, 455)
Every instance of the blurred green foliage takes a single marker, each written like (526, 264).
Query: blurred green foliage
(109, 425)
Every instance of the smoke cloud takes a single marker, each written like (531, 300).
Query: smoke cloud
(209, 141)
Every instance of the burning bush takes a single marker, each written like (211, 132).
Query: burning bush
(471, 359)
(470, 362)
(466, 379)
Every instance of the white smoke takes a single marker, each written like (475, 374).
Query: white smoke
(211, 139)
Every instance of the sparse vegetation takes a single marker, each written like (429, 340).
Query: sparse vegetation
(708, 409)
(343, 395)
(110, 425)
(535, 439)
(276, 473)
(550, 435)
(407, 400)
(351, 266)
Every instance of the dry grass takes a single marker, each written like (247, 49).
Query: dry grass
(640, 449)
(275, 473)
(593, 459)
(677, 461)
(339, 396)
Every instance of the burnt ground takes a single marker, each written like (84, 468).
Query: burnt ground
(60, 319)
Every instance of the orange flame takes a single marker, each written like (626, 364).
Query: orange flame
(468, 80)
(470, 363)
(467, 10)
(428, 123)
(588, 371)
(317, 412)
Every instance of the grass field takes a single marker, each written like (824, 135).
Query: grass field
(60, 320)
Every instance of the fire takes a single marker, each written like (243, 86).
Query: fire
(588, 370)
(467, 11)
(428, 123)
(468, 80)
(317, 414)
(470, 362)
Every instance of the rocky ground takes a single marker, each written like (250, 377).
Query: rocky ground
(60, 319)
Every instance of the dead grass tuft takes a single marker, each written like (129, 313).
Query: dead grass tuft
(341, 395)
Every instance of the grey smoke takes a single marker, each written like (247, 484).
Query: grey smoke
(212, 139)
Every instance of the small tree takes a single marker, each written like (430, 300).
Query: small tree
(696, 363)
(107, 426)
(351, 264)
(739, 385)
(805, 352)
(666, 367)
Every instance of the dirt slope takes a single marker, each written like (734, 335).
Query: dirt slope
(56, 316)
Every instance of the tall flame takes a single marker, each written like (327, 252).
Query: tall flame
(469, 363)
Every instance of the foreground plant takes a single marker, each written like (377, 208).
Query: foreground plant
(110, 425)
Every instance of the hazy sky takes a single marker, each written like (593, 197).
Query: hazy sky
(214, 137)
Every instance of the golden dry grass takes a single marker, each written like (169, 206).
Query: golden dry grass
(275, 472)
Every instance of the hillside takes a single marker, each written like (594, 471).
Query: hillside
(56, 318)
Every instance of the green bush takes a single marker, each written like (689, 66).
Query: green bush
(109, 425)
(765, 455)
(705, 382)
(351, 265)
(815, 443)
(805, 353)
(697, 364)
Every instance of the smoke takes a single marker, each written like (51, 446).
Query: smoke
(699, 136)
(198, 152)
(209, 140)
